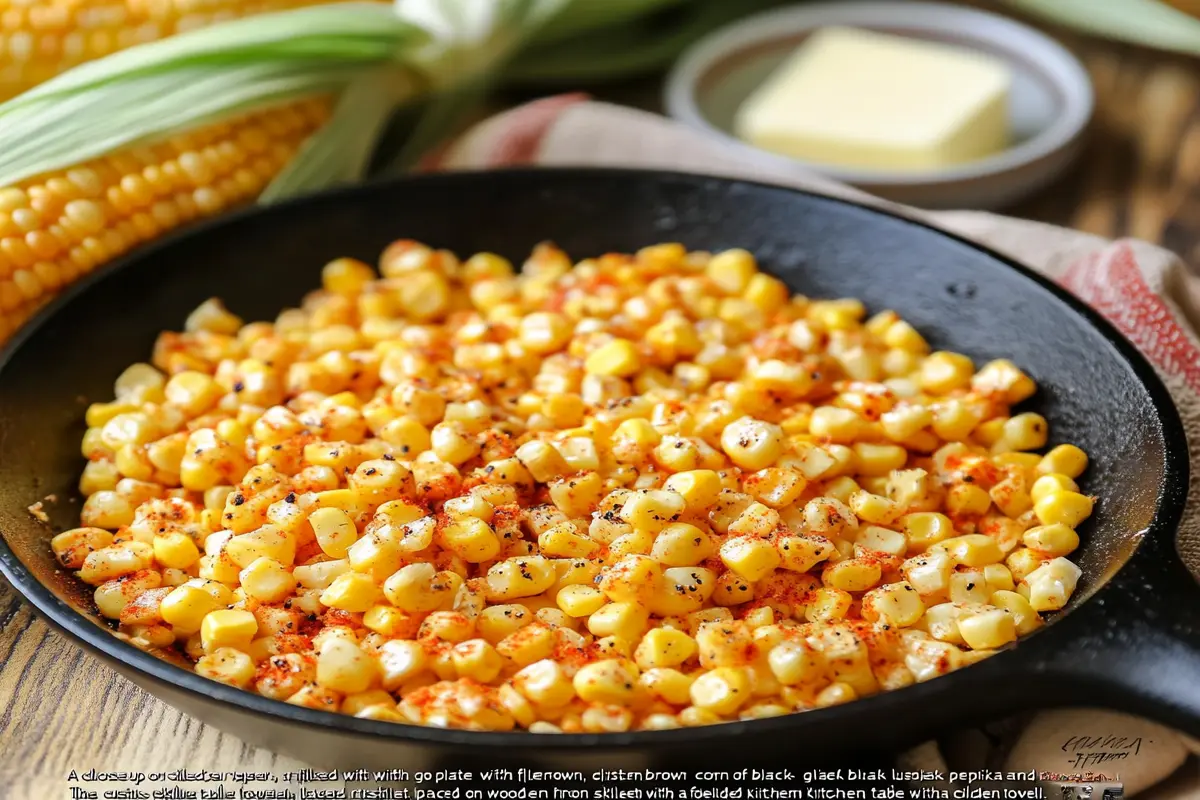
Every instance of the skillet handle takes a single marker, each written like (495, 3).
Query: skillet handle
(1134, 646)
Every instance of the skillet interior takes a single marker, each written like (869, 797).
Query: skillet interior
(960, 297)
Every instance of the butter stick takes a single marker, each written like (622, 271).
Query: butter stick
(857, 98)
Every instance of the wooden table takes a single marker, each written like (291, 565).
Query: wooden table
(62, 710)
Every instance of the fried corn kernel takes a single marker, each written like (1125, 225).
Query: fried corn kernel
(646, 492)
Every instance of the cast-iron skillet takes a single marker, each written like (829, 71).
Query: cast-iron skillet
(1130, 639)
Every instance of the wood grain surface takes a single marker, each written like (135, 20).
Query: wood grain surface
(61, 710)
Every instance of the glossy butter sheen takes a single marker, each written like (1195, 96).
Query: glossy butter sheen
(858, 98)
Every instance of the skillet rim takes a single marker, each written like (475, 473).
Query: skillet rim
(1172, 497)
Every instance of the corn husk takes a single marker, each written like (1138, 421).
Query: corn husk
(1149, 23)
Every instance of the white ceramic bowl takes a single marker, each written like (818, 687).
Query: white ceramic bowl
(1051, 100)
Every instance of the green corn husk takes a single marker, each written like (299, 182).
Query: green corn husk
(1149, 23)
(377, 57)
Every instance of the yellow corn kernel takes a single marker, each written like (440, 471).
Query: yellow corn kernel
(827, 604)
(579, 600)
(1051, 483)
(1026, 431)
(967, 500)
(626, 620)
(929, 573)
(802, 553)
(750, 557)
(699, 488)
(543, 461)
(722, 690)
(267, 581)
(477, 659)
(617, 359)
(227, 628)
(663, 647)
(925, 529)
(1023, 561)
(228, 665)
(351, 591)
(1006, 379)
(852, 574)
(998, 577)
(969, 586)
(841, 425)
(731, 271)
(419, 588)
(881, 540)
(400, 661)
(1051, 541)
(796, 662)
(562, 541)
(471, 539)
(874, 508)
(1050, 586)
(894, 603)
(988, 629)
(651, 510)
(334, 529)
(752, 444)
(343, 667)
(545, 683)
(176, 550)
(682, 545)
(973, 550)
(756, 520)
(943, 372)
(1027, 620)
(525, 576)
(1066, 508)
(611, 681)
(1065, 459)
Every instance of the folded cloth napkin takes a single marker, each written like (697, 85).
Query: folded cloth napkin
(1144, 290)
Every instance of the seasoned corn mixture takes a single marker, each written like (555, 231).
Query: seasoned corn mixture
(635, 492)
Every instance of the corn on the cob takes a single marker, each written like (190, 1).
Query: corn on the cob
(55, 228)
(43, 38)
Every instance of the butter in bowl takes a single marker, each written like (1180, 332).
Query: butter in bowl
(930, 104)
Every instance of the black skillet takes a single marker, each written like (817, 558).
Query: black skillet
(1130, 639)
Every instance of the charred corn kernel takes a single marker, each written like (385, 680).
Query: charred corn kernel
(1050, 586)
(1026, 619)
(1065, 459)
(925, 529)
(227, 628)
(1066, 508)
(1051, 483)
(752, 444)
(750, 557)
(1051, 541)
(342, 666)
(334, 529)
(1026, 431)
(988, 629)
(352, 591)
(663, 647)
